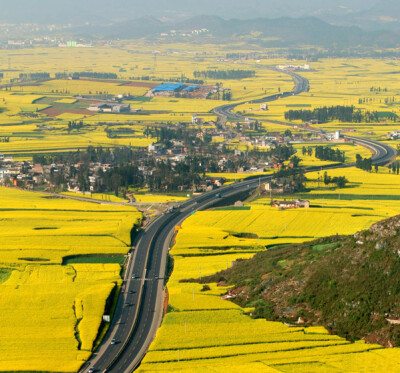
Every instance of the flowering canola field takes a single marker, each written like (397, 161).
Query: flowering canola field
(51, 313)
(203, 333)
(31, 129)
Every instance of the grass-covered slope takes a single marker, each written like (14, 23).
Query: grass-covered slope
(349, 284)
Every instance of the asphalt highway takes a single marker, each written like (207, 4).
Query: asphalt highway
(139, 311)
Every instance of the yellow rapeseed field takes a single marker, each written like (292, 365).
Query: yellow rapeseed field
(51, 313)
(204, 333)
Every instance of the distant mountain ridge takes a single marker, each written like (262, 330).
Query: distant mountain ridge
(99, 12)
(339, 23)
(288, 31)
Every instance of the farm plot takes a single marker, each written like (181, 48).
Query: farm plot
(52, 310)
(201, 332)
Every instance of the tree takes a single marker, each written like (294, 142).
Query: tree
(327, 179)
(340, 181)
(358, 160)
(295, 160)
(288, 133)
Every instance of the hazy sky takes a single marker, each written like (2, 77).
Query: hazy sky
(102, 11)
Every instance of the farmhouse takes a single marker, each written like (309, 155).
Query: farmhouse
(394, 135)
(121, 108)
(99, 107)
(110, 108)
(297, 203)
(3, 173)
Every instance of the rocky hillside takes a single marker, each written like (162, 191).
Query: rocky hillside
(349, 284)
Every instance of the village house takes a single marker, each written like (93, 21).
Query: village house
(295, 204)
(110, 108)
(281, 185)
(238, 204)
(4, 173)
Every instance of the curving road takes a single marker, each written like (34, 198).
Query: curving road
(140, 305)
(301, 85)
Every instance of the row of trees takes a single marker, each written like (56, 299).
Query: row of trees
(366, 100)
(91, 154)
(181, 79)
(307, 151)
(347, 114)
(296, 176)
(339, 181)
(34, 76)
(363, 163)
(88, 74)
(226, 95)
(377, 89)
(224, 74)
(394, 168)
(325, 153)
(282, 152)
(75, 125)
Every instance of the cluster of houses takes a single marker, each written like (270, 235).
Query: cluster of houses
(191, 33)
(22, 173)
(25, 174)
(282, 185)
(394, 135)
(294, 204)
(272, 139)
(305, 67)
(105, 107)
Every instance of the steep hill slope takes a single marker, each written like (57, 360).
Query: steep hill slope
(349, 284)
